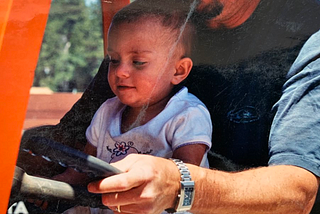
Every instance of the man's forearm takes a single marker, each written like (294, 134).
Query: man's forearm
(151, 184)
(277, 189)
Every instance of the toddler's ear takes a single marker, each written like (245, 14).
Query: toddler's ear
(183, 68)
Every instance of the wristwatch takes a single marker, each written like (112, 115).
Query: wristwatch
(186, 196)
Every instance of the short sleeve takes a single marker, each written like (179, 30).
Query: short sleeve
(93, 130)
(294, 135)
(191, 127)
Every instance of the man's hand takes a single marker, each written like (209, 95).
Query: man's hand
(148, 185)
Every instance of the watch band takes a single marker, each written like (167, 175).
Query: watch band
(186, 196)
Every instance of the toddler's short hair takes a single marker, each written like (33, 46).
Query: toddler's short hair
(172, 14)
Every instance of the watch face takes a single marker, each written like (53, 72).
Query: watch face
(188, 191)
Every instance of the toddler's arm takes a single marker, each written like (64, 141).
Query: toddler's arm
(192, 154)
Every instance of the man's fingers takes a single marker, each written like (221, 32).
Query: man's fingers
(115, 183)
(123, 198)
(126, 202)
(134, 208)
(121, 182)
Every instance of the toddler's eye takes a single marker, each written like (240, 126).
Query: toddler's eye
(111, 61)
(139, 63)
(114, 61)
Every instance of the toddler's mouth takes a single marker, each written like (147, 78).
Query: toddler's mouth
(123, 87)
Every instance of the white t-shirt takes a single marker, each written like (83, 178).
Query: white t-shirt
(185, 120)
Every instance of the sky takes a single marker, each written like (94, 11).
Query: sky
(88, 2)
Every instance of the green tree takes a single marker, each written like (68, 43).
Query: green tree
(72, 48)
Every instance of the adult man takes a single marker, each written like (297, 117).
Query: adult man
(242, 59)
(288, 185)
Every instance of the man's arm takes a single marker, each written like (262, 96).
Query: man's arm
(290, 183)
(151, 184)
(277, 189)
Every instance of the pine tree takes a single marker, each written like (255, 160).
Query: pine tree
(72, 48)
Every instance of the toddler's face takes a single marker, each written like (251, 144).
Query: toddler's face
(141, 66)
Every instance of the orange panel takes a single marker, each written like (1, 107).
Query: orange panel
(22, 25)
(109, 8)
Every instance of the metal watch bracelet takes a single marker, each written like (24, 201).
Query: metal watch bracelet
(186, 195)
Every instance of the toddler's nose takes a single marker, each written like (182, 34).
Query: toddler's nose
(122, 71)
